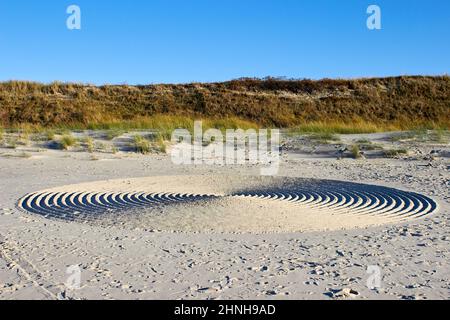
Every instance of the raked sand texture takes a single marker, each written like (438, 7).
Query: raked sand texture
(229, 204)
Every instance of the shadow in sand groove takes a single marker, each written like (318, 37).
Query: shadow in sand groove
(336, 196)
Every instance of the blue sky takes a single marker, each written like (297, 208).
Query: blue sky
(174, 41)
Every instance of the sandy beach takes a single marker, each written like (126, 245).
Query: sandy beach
(223, 248)
(215, 159)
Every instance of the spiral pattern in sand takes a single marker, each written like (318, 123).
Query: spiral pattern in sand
(303, 204)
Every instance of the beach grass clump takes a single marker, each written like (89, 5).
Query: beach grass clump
(141, 144)
(88, 144)
(355, 151)
(49, 135)
(161, 144)
(153, 143)
(67, 141)
(11, 143)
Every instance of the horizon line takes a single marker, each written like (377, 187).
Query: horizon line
(266, 78)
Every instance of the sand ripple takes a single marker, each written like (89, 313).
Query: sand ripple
(229, 204)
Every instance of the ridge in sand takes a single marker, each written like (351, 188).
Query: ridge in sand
(226, 204)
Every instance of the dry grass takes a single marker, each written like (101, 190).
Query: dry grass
(49, 135)
(66, 142)
(11, 143)
(337, 106)
(341, 127)
(154, 143)
(141, 144)
(111, 134)
(89, 144)
(323, 137)
(160, 144)
(356, 152)
(164, 125)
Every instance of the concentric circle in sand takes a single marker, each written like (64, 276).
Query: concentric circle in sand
(229, 204)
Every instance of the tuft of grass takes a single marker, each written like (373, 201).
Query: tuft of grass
(356, 152)
(89, 144)
(161, 144)
(2, 134)
(49, 135)
(141, 144)
(11, 143)
(67, 141)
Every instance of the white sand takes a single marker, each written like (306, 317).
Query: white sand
(119, 262)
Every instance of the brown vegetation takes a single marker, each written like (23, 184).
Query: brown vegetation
(397, 102)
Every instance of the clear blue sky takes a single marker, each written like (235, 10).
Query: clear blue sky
(173, 41)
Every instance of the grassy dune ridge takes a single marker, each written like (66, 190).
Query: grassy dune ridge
(359, 105)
